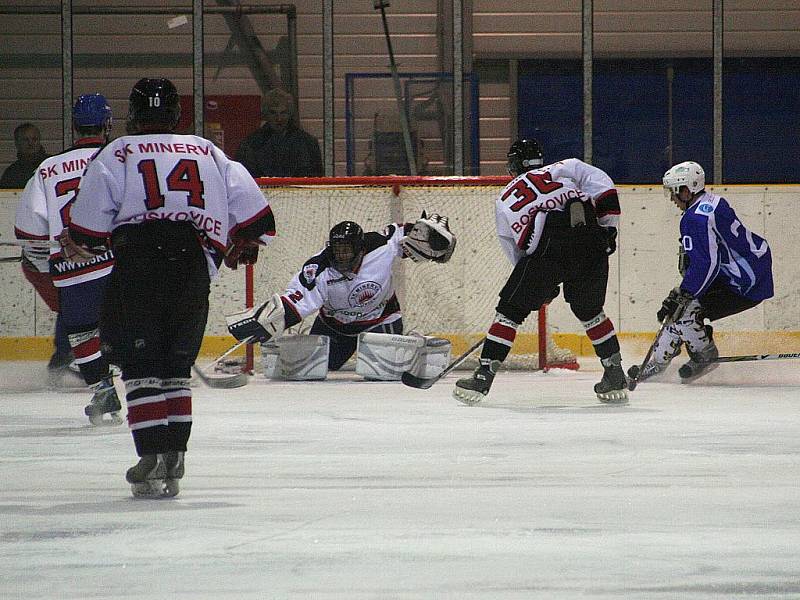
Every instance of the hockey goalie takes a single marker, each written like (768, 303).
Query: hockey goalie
(349, 285)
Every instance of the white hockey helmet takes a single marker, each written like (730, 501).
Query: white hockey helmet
(688, 174)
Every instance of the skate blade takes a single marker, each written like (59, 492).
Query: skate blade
(468, 397)
(613, 397)
(113, 419)
(171, 488)
(150, 489)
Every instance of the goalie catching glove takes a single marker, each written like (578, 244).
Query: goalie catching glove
(430, 239)
(259, 324)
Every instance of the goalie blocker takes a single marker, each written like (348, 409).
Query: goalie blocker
(380, 357)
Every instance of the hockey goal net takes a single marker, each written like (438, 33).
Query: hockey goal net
(455, 300)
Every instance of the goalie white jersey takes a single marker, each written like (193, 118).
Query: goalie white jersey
(44, 211)
(523, 207)
(138, 178)
(353, 302)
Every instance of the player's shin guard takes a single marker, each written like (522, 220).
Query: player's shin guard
(86, 349)
(611, 388)
(498, 343)
(500, 338)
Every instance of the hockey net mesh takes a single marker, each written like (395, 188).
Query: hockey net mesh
(455, 300)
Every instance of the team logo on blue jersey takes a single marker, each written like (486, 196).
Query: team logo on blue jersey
(363, 293)
(706, 208)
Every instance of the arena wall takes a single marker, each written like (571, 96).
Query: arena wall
(642, 272)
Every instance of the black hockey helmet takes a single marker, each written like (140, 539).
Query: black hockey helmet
(154, 104)
(524, 155)
(346, 243)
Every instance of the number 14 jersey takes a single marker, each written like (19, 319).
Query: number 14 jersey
(138, 178)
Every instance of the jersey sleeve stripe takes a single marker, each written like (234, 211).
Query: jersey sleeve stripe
(24, 235)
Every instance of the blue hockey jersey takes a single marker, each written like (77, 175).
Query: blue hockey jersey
(718, 245)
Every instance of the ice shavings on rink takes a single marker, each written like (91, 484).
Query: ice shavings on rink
(356, 490)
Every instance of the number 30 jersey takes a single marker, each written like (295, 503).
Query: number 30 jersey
(522, 208)
(138, 178)
(44, 211)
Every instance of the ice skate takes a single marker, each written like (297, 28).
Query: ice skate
(471, 390)
(147, 477)
(104, 402)
(174, 464)
(63, 373)
(651, 369)
(700, 363)
(611, 388)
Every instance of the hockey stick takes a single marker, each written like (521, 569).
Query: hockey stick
(46, 244)
(636, 370)
(8, 259)
(226, 382)
(751, 357)
(423, 383)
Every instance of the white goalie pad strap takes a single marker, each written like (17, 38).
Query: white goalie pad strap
(386, 356)
(296, 358)
(432, 358)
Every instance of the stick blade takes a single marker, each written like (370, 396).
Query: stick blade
(225, 382)
(421, 383)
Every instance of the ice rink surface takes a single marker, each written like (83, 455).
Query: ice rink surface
(354, 490)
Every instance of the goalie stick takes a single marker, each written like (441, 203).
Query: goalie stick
(228, 381)
(423, 383)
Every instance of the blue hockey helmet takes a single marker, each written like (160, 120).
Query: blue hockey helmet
(91, 110)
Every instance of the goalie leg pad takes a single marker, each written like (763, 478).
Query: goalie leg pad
(432, 358)
(386, 356)
(296, 358)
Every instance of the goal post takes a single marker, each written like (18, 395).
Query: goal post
(455, 300)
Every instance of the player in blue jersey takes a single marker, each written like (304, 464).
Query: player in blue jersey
(726, 269)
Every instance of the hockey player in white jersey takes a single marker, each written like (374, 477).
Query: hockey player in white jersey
(42, 214)
(350, 284)
(725, 268)
(557, 224)
(173, 207)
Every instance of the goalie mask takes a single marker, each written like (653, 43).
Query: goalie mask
(523, 156)
(154, 105)
(346, 246)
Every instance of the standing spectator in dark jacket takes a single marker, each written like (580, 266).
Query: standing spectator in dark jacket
(280, 148)
(30, 154)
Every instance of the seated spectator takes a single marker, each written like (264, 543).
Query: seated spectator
(280, 148)
(30, 154)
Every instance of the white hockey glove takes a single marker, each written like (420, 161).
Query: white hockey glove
(260, 324)
(430, 239)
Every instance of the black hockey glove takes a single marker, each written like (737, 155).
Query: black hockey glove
(611, 240)
(673, 305)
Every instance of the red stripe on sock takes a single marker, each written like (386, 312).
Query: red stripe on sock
(151, 411)
(87, 348)
(601, 330)
(503, 331)
(179, 406)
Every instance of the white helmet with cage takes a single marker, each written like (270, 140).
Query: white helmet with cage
(688, 174)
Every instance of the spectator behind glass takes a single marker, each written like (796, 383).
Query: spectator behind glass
(30, 154)
(280, 148)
